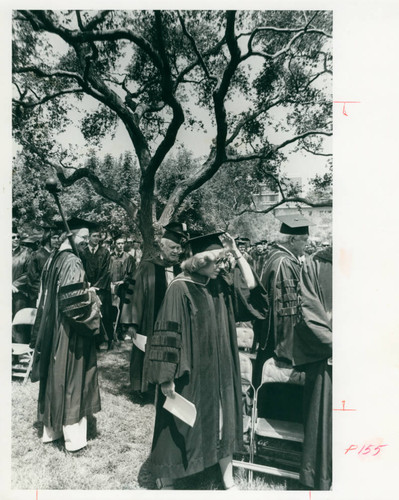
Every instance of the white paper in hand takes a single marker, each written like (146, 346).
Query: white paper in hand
(181, 408)
(140, 341)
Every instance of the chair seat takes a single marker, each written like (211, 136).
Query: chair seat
(23, 367)
(279, 429)
(19, 349)
(25, 316)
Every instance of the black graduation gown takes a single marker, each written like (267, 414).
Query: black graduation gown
(195, 344)
(312, 351)
(280, 277)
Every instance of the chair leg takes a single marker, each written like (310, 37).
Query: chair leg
(29, 368)
(252, 434)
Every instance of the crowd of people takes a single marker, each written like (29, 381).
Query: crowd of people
(180, 308)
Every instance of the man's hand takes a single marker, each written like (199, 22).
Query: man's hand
(168, 389)
(131, 331)
(14, 289)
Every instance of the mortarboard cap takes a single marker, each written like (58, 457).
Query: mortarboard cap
(48, 225)
(294, 224)
(206, 242)
(77, 223)
(31, 241)
(242, 241)
(176, 231)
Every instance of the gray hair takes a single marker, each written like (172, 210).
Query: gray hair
(200, 260)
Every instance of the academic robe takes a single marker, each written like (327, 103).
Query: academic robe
(20, 261)
(258, 261)
(63, 338)
(280, 277)
(141, 309)
(313, 351)
(34, 271)
(122, 266)
(195, 344)
(97, 267)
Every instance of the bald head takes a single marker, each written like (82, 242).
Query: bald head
(170, 251)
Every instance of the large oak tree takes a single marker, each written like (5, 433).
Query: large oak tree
(153, 71)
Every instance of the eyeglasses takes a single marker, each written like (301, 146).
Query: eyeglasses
(15, 237)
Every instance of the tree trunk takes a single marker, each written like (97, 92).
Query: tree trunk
(147, 223)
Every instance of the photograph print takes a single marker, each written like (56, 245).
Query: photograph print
(172, 250)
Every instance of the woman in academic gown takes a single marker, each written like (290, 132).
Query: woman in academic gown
(194, 352)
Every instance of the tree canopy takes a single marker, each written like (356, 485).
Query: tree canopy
(259, 77)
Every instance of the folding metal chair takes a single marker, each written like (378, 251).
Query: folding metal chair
(246, 384)
(22, 352)
(266, 428)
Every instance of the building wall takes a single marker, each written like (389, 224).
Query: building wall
(321, 217)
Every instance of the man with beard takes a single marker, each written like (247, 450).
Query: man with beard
(65, 363)
(140, 312)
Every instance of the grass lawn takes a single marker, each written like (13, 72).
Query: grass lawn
(119, 442)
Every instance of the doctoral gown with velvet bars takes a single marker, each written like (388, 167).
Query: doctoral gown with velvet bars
(65, 360)
(140, 309)
(312, 351)
(195, 344)
(280, 278)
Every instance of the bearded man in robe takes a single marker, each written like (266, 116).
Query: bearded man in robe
(65, 363)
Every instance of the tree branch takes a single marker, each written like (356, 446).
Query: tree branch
(171, 100)
(212, 51)
(97, 19)
(220, 91)
(299, 33)
(316, 153)
(43, 74)
(249, 117)
(294, 199)
(262, 29)
(195, 48)
(102, 190)
(274, 148)
(42, 19)
(47, 98)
